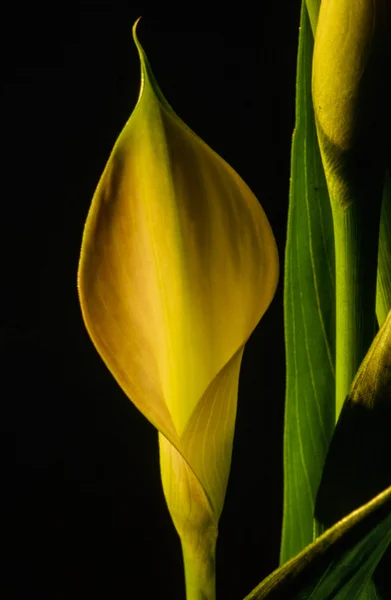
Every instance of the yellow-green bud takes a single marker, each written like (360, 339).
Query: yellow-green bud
(351, 93)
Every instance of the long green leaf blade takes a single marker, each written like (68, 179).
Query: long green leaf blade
(358, 462)
(338, 563)
(309, 314)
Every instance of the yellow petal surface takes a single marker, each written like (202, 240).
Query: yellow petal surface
(178, 263)
(351, 94)
(208, 438)
(193, 519)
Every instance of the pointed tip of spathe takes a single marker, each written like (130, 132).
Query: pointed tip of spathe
(134, 30)
(142, 57)
(135, 38)
(146, 71)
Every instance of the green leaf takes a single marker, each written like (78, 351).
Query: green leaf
(341, 563)
(358, 463)
(383, 297)
(309, 313)
(310, 308)
(313, 7)
(337, 565)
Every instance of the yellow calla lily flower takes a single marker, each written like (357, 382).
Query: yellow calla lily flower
(178, 264)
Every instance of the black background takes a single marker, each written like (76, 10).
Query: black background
(84, 513)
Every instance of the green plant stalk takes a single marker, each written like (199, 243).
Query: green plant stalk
(200, 575)
(350, 93)
(356, 266)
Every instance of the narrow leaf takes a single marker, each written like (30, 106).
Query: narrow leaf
(358, 464)
(309, 309)
(334, 566)
(383, 298)
(313, 7)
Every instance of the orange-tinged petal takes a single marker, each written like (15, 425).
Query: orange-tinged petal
(210, 431)
(178, 264)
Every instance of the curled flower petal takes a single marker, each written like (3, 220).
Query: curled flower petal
(178, 264)
(351, 87)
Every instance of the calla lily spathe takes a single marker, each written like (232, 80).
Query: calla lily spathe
(351, 94)
(178, 264)
(351, 91)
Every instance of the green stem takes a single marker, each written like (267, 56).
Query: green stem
(200, 574)
(356, 250)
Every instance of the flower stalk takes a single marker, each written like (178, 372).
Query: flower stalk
(351, 94)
